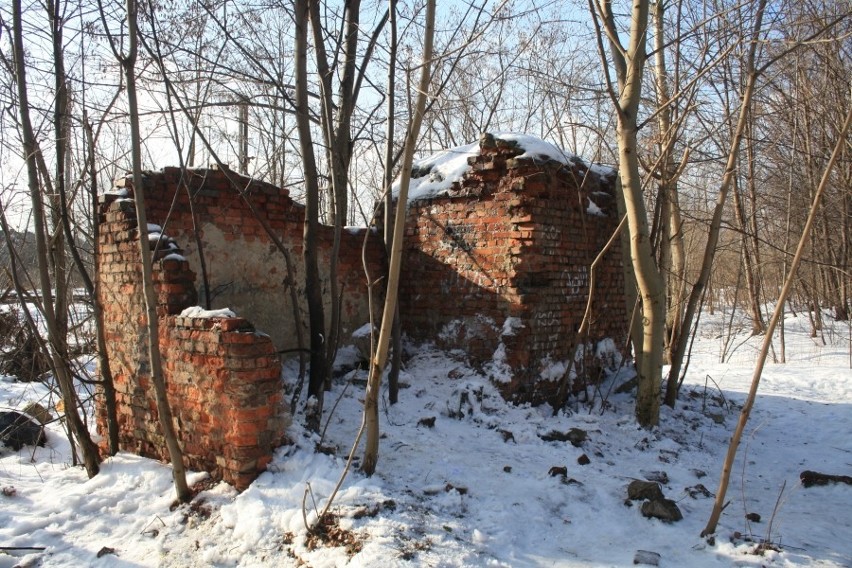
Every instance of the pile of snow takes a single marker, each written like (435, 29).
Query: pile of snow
(445, 168)
(120, 192)
(199, 312)
(593, 209)
(464, 479)
(442, 169)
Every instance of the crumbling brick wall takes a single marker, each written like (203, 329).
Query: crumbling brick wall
(223, 378)
(499, 265)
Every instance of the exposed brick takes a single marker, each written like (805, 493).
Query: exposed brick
(513, 240)
(208, 384)
(520, 249)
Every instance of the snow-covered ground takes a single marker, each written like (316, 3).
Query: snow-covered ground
(476, 490)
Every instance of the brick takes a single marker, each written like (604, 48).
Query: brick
(243, 439)
(234, 324)
(239, 337)
(263, 346)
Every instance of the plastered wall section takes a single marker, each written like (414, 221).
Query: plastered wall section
(228, 225)
(223, 377)
(500, 266)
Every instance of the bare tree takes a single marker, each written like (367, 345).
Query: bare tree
(128, 64)
(53, 308)
(377, 364)
(804, 109)
(727, 466)
(753, 69)
(63, 211)
(313, 285)
(629, 63)
(671, 114)
(388, 167)
(716, 222)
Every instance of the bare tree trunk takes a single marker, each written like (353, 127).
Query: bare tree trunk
(631, 297)
(629, 65)
(336, 130)
(62, 129)
(831, 280)
(340, 156)
(677, 289)
(787, 225)
(727, 466)
(371, 403)
(647, 278)
(660, 239)
(396, 336)
(672, 256)
(337, 124)
(92, 286)
(313, 284)
(58, 347)
(243, 159)
(844, 257)
(752, 235)
(164, 411)
(816, 310)
(727, 181)
(746, 256)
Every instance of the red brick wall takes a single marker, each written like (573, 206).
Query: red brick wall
(498, 268)
(223, 378)
(513, 239)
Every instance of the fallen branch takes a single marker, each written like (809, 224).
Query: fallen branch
(811, 478)
(13, 548)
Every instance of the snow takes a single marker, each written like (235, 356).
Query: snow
(449, 166)
(356, 230)
(474, 490)
(364, 331)
(536, 148)
(199, 312)
(554, 371)
(593, 209)
(511, 325)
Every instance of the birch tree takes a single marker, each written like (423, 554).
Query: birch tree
(379, 359)
(629, 64)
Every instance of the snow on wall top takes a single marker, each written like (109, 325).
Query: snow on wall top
(199, 312)
(440, 170)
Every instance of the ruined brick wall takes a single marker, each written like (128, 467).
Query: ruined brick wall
(499, 266)
(223, 378)
(221, 218)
